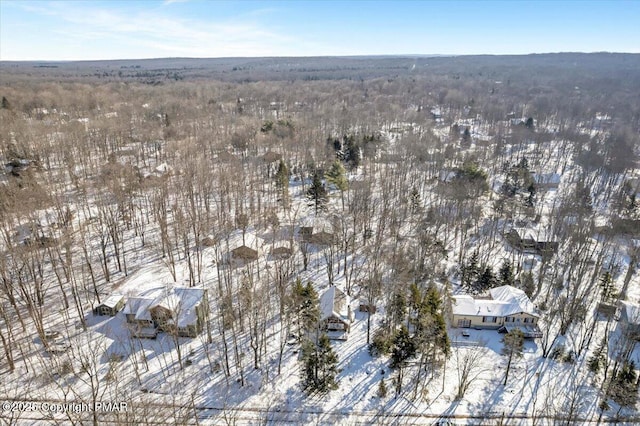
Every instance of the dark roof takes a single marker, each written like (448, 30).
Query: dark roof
(245, 253)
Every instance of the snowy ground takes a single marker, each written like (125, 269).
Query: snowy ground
(537, 387)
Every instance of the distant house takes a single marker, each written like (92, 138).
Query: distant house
(281, 252)
(111, 306)
(245, 253)
(506, 309)
(315, 230)
(528, 240)
(546, 180)
(322, 238)
(335, 313)
(630, 320)
(244, 248)
(271, 157)
(181, 310)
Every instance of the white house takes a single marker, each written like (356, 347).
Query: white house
(335, 313)
(180, 310)
(506, 308)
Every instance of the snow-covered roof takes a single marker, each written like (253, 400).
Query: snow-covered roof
(630, 313)
(318, 223)
(533, 234)
(505, 300)
(181, 300)
(334, 302)
(138, 306)
(169, 301)
(546, 178)
(112, 301)
(190, 299)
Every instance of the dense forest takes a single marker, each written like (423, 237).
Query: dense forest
(289, 190)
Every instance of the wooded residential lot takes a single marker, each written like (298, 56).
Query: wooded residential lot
(329, 240)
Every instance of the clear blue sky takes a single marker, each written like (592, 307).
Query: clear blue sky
(76, 30)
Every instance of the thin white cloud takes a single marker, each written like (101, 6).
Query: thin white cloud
(154, 33)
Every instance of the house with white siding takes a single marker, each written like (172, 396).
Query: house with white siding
(505, 309)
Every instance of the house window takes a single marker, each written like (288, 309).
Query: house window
(508, 319)
(489, 319)
(464, 323)
(528, 320)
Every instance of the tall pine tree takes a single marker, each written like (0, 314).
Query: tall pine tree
(506, 273)
(404, 348)
(337, 176)
(486, 280)
(320, 366)
(470, 271)
(304, 300)
(317, 193)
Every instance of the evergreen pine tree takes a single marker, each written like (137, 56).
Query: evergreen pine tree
(337, 176)
(304, 300)
(433, 304)
(506, 273)
(317, 193)
(470, 271)
(485, 281)
(310, 307)
(414, 200)
(606, 286)
(404, 348)
(528, 284)
(529, 123)
(397, 309)
(5, 103)
(282, 175)
(320, 366)
(351, 154)
(596, 361)
(624, 389)
(466, 135)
